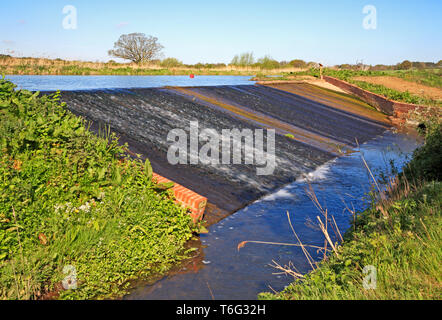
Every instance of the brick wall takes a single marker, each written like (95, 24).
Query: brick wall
(187, 198)
(379, 102)
(399, 112)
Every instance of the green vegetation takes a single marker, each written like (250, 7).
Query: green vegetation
(171, 63)
(396, 95)
(243, 60)
(71, 198)
(169, 66)
(268, 63)
(430, 77)
(427, 161)
(297, 63)
(400, 236)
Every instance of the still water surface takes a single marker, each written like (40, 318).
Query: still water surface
(70, 83)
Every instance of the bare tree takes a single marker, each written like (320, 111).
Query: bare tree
(137, 47)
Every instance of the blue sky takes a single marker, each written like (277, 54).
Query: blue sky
(194, 31)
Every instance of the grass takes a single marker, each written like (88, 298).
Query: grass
(396, 95)
(427, 77)
(71, 198)
(430, 77)
(399, 235)
(42, 66)
(421, 76)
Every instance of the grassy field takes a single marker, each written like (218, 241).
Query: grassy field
(428, 77)
(400, 235)
(72, 204)
(41, 66)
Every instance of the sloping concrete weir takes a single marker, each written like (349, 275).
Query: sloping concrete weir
(144, 117)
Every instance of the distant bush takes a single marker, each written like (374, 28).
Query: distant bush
(199, 65)
(171, 63)
(405, 65)
(5, 56)
(267, 63)
(297, 63)
(419, 65)
(380, 67)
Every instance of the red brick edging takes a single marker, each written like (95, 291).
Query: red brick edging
(186, 197)
(399, 111)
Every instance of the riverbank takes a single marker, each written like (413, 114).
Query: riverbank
(421, 87)
(68, 214)
(42, 66)
(392, 250)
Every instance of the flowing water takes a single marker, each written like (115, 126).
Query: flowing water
(221, 272)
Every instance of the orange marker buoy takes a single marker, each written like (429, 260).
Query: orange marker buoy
(192, 76)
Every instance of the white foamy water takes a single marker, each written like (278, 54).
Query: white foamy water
(281, 194)
(319, 174)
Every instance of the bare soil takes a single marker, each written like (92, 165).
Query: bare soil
(404, 85)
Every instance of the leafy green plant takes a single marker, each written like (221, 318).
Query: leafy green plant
(69, 197)
(427, 160)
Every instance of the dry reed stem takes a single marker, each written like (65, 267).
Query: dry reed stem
(287, 270)
(210, 290)
(304, 250)
(242, 244)
(327, 236)
(337, 228)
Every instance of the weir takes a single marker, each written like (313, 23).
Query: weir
(309, 131)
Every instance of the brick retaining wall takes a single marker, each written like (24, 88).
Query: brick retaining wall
(379, 102)
(187, 198)
(399, 112)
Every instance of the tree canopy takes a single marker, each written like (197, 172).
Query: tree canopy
(136, 47)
